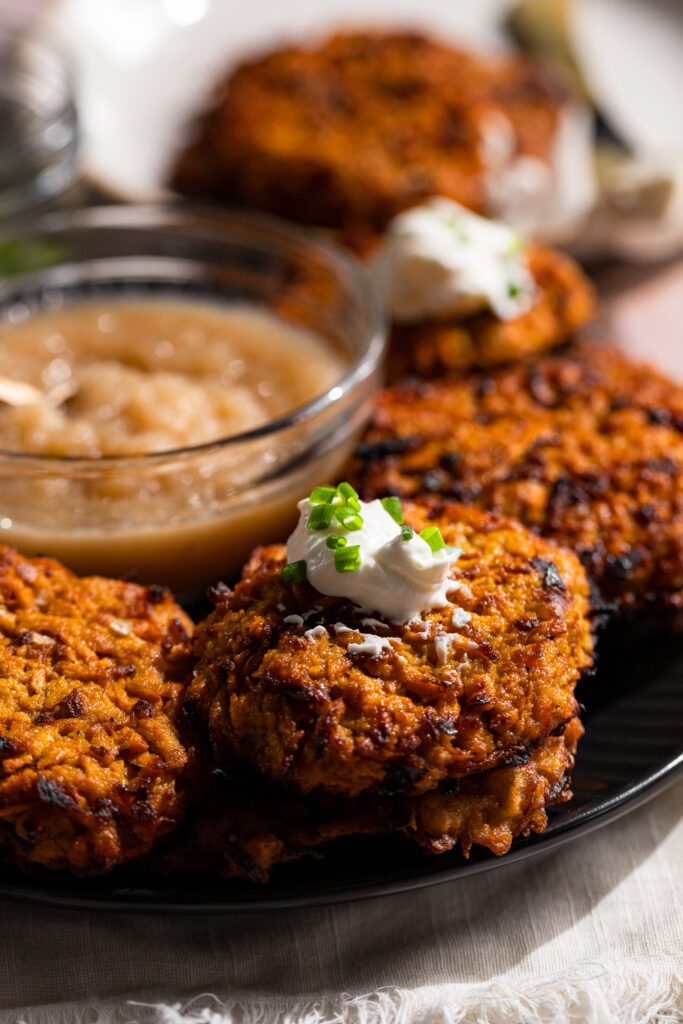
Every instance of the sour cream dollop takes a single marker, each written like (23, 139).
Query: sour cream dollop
(397, 578)
(440, 260)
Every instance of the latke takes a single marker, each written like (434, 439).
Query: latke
(584, 447)
(346, 132)
(93, 760)
(564, 302)
(456, 690)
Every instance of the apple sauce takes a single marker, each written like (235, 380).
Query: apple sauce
(152, 376)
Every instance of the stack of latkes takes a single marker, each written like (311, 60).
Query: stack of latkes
(459, 725)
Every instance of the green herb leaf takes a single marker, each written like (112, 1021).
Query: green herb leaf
(320, 517)
(432, 535)
(393, 507)
(407, 532)
(295, 572)
(18, 255)
(347, 559)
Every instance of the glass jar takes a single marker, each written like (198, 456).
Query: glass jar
(39, 137)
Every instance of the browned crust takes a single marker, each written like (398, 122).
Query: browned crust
(243, 830)
(93, 762)
(494, 808)
(585, 447)
(306, 710)
(348, 131)
(565, 301)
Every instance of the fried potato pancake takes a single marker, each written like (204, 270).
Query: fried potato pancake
(245, 830)
(565, 301)
(456, 690)
(347, 132)
(584, 447)
(93, 762)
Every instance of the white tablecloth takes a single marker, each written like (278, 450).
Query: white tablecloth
(591, 933)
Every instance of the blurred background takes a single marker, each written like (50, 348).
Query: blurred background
(111, 99)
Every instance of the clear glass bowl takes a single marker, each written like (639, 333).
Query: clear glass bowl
(39, 135)
(188, 517)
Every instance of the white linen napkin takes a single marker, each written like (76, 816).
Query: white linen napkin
(591, 933)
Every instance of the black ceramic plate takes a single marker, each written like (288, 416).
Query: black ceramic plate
(633, 748)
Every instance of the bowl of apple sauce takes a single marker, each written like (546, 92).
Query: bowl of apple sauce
(172, 381)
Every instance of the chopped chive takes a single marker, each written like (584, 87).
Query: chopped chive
(393, 507)
(347, 559)
(349, 520)
(334, 542)
(516, 245)
(346, 491)
(322, 495)
(432, 535)
(353, 503)
(320, 517)
(514, 290)
(456, 225)
(407, 532)
(295, 572)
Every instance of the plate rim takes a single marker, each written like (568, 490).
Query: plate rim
(586, 820)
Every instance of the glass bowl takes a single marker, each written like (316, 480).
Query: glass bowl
(188, 517)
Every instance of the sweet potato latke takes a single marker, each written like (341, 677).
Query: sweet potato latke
(584, 447)
(348, 132)
(457, 690)
(564, 302)
(92, 762)
(244, 831)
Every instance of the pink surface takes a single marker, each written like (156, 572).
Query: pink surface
(643, 308)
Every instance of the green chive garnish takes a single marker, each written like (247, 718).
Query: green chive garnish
(514, 290)
(393, 507)
(320, 517)
(346, 491)
(350, 520)
(342, 502)
(407, 532)
(295, 572)
(456, 225)
(516, 245)
(334, 542)
(322, 495)
(432, 535)
(347, 559)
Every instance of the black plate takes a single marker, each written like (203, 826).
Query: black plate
(633, 748)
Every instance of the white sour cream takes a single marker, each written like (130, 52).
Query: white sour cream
(544, 200)
(459, 617)
(375, 646)
(441, 260)
(397, 578)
